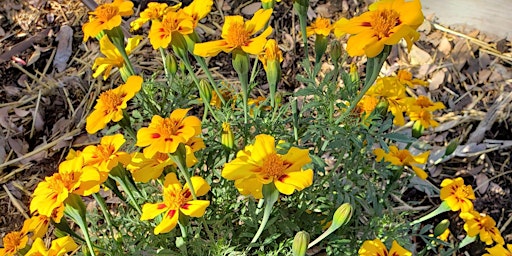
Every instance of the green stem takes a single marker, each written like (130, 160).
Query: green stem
(270, 196)
(203, 65)
(179, 157)
(303, 24)
(166, 68)
(443, 207)
(372, 71)
(190, 70)
(103, 206)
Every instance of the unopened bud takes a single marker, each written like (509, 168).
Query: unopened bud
(441, 227)
(171, 64)
(354, 74)
(451, 147)
(342, 216)
(320, 47)
(300, 243)
(417, 129)
(227, 137)
(206, 91)
(382, 107)
(336, 52)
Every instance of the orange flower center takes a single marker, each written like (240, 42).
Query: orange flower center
(322, 23)
(404, 75)
(425, 115)
(383, 21)
(12, 241)
(423, 102)
(111, 100)
(177, 198)
(403, 155)
(462, 192)
(237, 35)
(170, 127)
(273, 166)
(104, 152)
(368, 104)
(106, 12)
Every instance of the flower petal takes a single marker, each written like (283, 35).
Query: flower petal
(195, 208)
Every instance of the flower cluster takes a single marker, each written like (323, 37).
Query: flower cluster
(402, 157)
(458, 197)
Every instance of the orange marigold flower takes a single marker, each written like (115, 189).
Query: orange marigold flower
(405, 77)
(173, 23)
(376, 248)
(37, 224)
(386, 22)
(260, 164)
(106, 155)
(457, 195)
(402, 157)
(106, 17)
(154, 11)
(272, 55)
(236, 35)
(59, 246)
(321, 26)
(110, 104)
(13, 242)
(499, 250)
(165, 134)
(177, 199)
(482, 225)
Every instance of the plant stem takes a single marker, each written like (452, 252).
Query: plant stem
(270, 196)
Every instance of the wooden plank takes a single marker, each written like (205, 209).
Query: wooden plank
(491, 17)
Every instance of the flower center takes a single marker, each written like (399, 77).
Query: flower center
(383, 21)
(111, 101)
(106, 12)
(177, 198)
(423, 102)
(404, 75)
(463, 191)
(403, 155)
(171, 127)
(424, 115)
(237, 35)
(273, 166)
(322, 23)
(105, 151)
(12, 241)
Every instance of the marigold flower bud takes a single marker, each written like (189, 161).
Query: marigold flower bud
(205, 90)
(171, 64)
(441, 227)
(227, 137)
(336, 53)
(342, 216)
(417, 129)
(300, 243)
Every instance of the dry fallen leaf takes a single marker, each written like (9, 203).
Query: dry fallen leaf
(444, 46)
(251, 8)
(419, 57)
(64, 48)
(437, 80)
(482, 182)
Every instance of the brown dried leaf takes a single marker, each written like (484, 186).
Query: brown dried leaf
(251, 8)
(18, 146)
(38, 120)
(64, 48)
(21, 112)
(482, 182)
(444, 46)
(419, 57)
(324, 10)
(437, 80)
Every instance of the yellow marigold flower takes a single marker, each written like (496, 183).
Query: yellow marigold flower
(405, 77)
(236, 35)
(37, 224)
(50, 194)
(113, 57)
(389, 89)
(482, 225)
(499, 250)
(165, 134)
(177, 199)
(110, 104)
(106, 17)
(144, 169)
(154, 11)
(424, 103)
(321, 26)
(457, 195)
(106, 155)
(402, 157)
(367, 104)
(59, 246)
(424, 117)
(13, 242)
(260, 164)
(172, 24)
(377, 248)
(198, 9)
(386, 22)
(271, 55)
